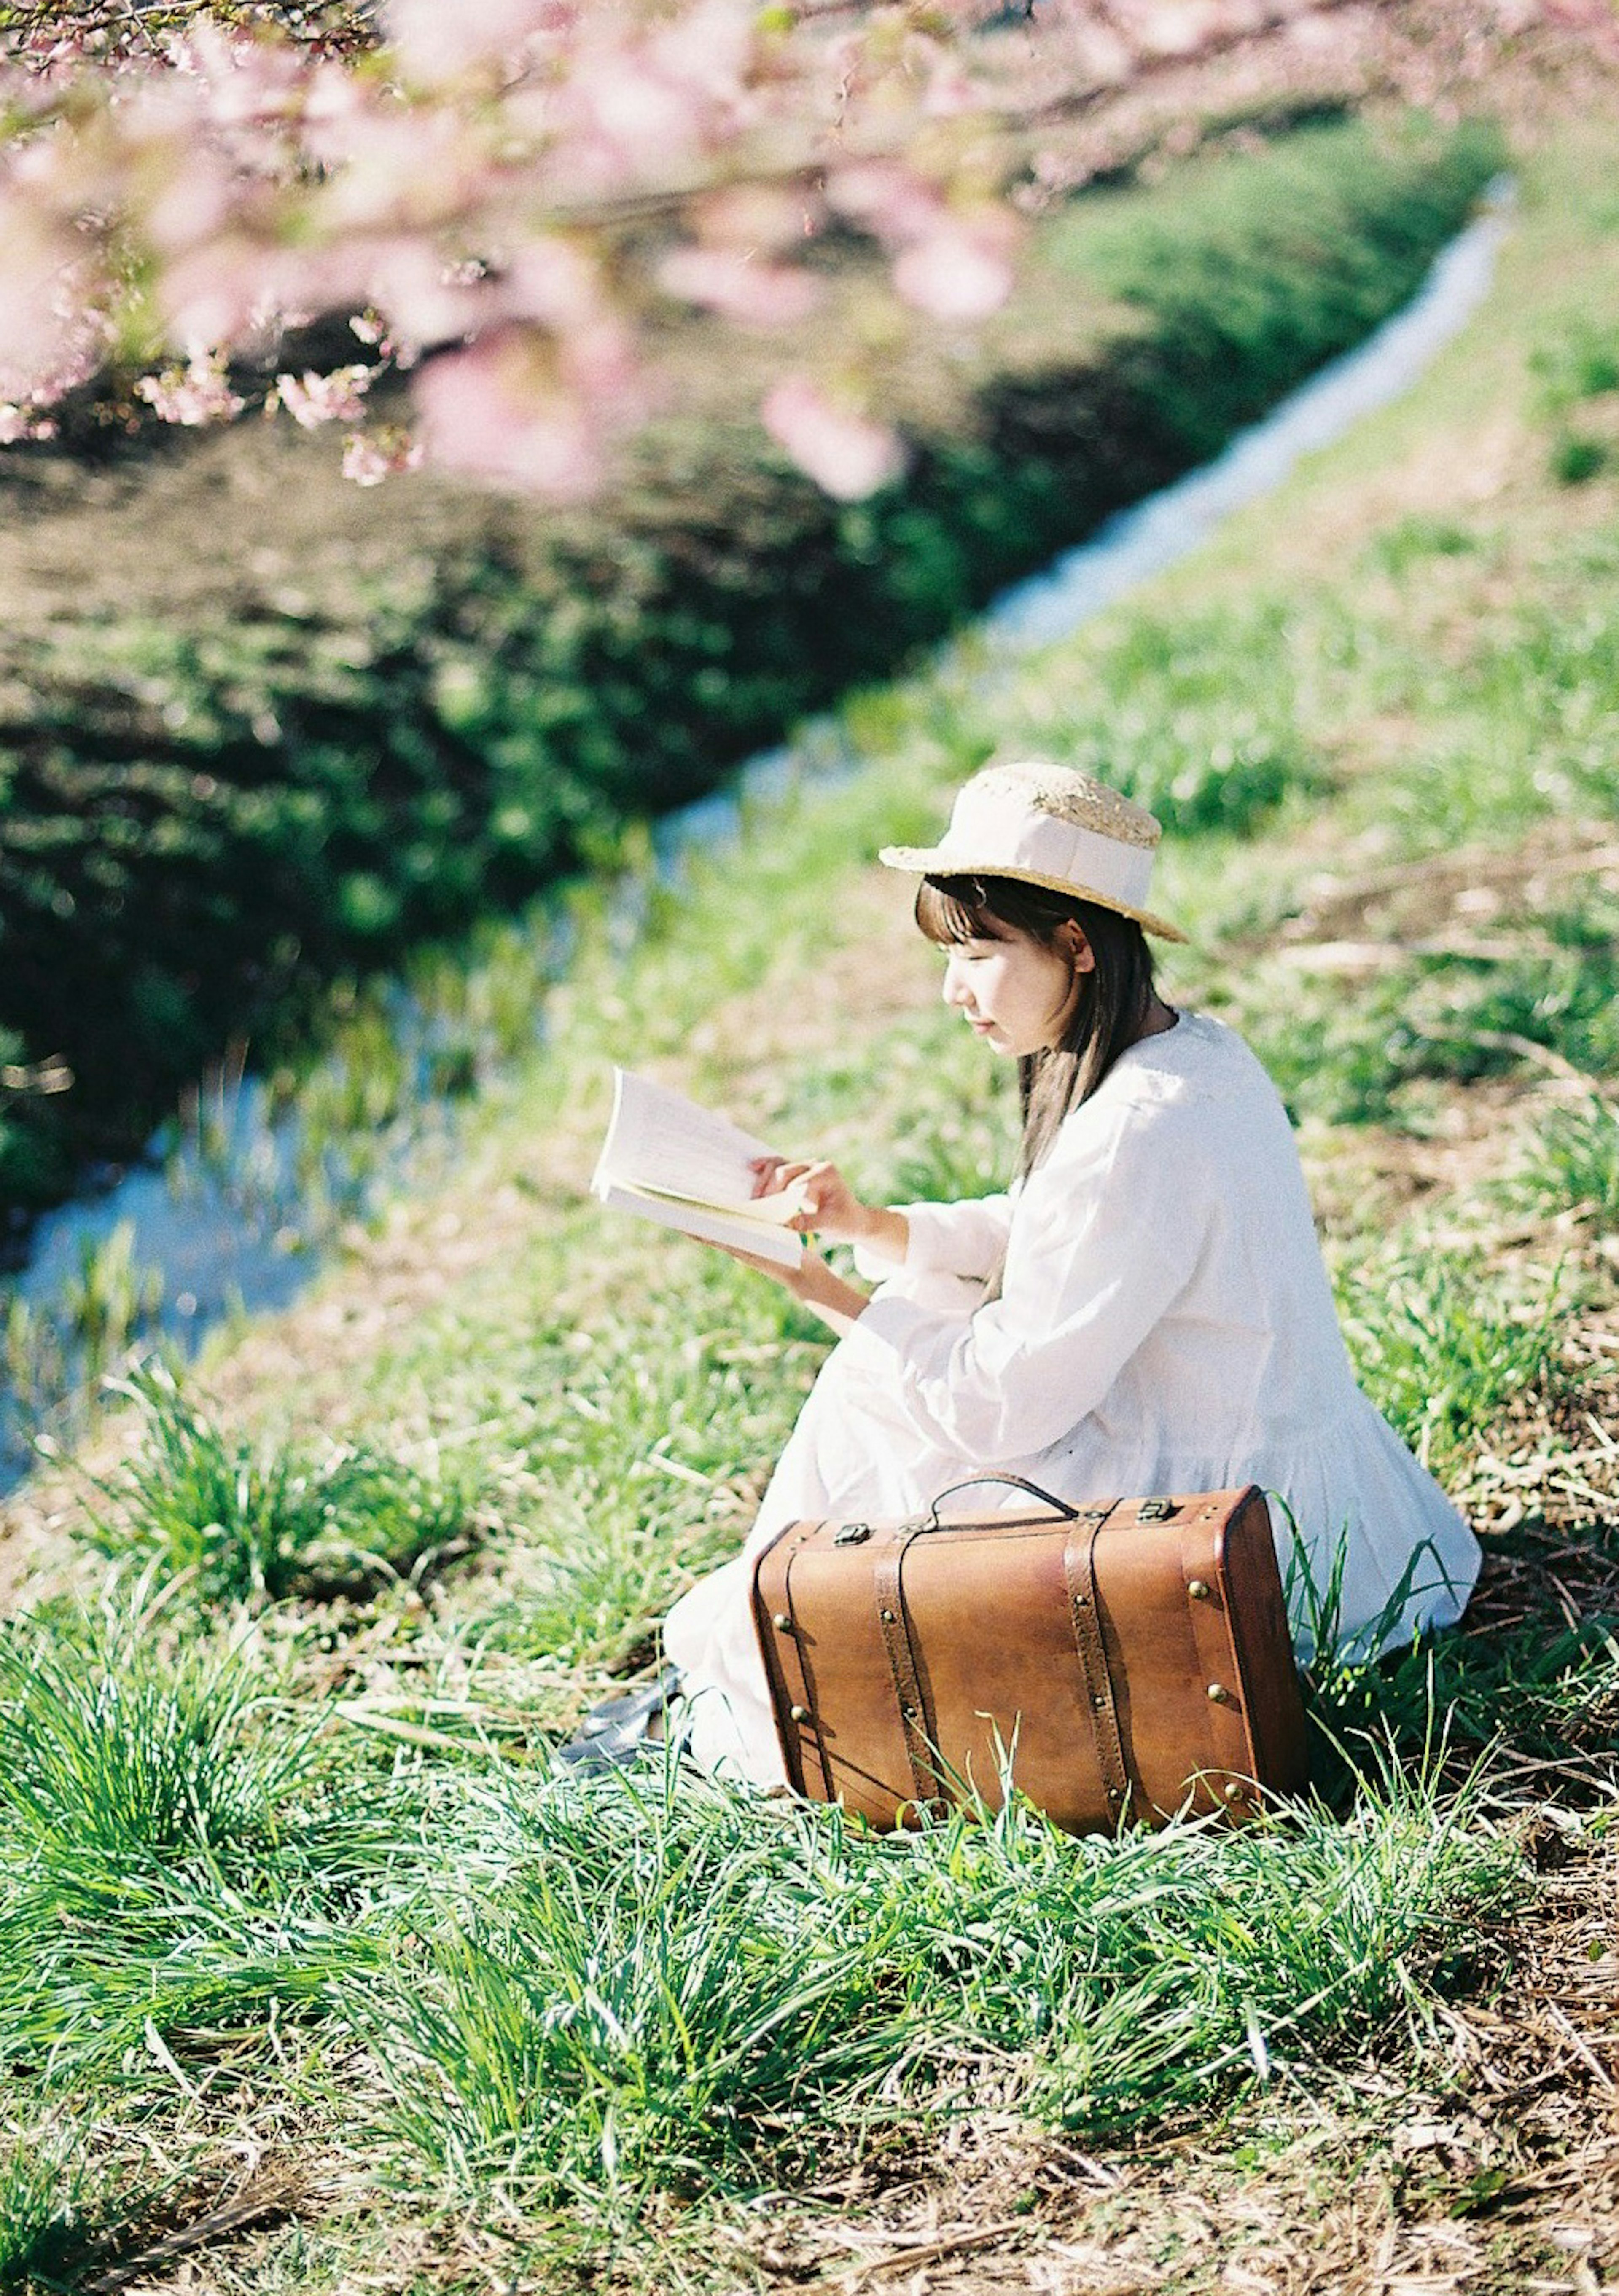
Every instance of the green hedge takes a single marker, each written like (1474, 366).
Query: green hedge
(198, 825)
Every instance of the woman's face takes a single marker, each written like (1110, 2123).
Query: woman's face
(1016, 992)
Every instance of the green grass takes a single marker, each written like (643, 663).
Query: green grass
(671, 1983)
(233, 1521)
(42, 2179)
(1442, 1346)
(1571, 1164)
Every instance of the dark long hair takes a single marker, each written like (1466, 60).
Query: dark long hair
(1114, 1002)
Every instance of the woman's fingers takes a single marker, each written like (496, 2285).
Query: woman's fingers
(772, 1174)
(829, 1206)
(820, 1186)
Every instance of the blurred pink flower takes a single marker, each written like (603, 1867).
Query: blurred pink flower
(549, 279)
(623, 123)
(41, 280)
(1169, 28)
(407, 279)
(438, 40)
(370, 456)
(244, 81)
(188, 195)
(755, 295)
(498, 411)
(956, 273)
(844, 452)
(17, 423)
(406, 165)
(889, 201)
(710, 49)
(768, 216)
(213, 292)
(952, 91)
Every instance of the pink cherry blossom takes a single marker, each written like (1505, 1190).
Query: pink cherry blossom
(370, 456)
(886, 198)
(419, 296)
(500, 412)
(42, 281)
(17, 425)
(312, 399)
(550, 279)
(398, 168)
(441, 40)
(754, 294)
(194, 395)
(624, 123)
(958, 273)
(845, 453)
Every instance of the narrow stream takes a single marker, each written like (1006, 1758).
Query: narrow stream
(222, 1219)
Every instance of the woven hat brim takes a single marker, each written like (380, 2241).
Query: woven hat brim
(933, 861)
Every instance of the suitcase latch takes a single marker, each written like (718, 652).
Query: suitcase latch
(1157, 1510)
(852, 1533)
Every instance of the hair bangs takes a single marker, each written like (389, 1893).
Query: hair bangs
(950, 910)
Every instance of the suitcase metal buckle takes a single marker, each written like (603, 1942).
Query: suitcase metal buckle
(1157, 1510)
(852, 1533)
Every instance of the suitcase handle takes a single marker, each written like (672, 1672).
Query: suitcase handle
(1021, 1482)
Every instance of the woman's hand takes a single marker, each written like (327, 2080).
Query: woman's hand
(830, 1207)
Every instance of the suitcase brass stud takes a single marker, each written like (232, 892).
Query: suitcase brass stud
(1198, 1589)
(1220, 1696)
(888, 1617)
(782, 1623)
(1236, 1792)
(853, 1533)
(800, 1713)
(1082, 1601)
(1098, 1698)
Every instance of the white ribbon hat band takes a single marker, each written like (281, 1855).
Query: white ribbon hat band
(1049, 826)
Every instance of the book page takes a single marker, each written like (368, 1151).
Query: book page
(710, 1225)
(660, 1140)
(763, 1212)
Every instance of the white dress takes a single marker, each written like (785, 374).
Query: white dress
(1165, 1324)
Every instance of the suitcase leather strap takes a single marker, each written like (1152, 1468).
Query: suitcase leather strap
(1079, 1572)
(895, 1627)
(812, 1736)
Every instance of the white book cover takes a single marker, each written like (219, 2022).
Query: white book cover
(692, 1171)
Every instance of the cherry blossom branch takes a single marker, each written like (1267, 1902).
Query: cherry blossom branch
(507, 198)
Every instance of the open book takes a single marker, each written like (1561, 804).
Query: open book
(683, 1165)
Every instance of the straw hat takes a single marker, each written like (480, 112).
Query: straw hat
(1046, 825)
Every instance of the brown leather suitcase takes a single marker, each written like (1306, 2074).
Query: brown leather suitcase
(1119, 1662)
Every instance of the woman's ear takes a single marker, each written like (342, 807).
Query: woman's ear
(1075, 945)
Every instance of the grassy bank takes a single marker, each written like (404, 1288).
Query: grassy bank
(290, 1881)
(301, 786)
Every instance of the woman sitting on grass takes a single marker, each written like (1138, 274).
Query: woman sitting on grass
(1145, 1310)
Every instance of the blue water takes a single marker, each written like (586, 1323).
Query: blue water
(227, 1224)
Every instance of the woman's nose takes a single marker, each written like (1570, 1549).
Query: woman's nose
(954, 990)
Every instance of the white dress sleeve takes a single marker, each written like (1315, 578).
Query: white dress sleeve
(1103, 1238)
(967, 1239)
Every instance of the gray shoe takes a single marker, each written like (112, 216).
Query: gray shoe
(613, 1734)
